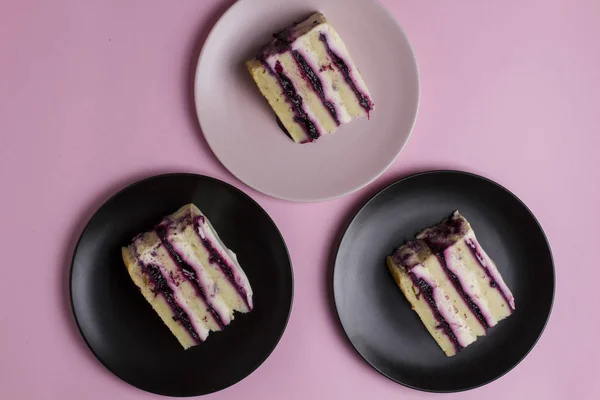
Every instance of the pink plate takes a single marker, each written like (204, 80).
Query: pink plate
(241, 129)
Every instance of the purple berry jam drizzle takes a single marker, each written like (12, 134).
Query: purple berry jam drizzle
(309, 75)
(294, 99)
(427, 291)
(188, 272)
(364, 100)
(445, 234)
(281, 44)
(161, 286)
(459, 288)
(215, 257)
(479, 257)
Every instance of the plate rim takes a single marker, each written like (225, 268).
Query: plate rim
(355, 189)
(415, 176)
(112, 199)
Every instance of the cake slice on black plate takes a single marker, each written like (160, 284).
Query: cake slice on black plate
(451, 283)
(188, 275)
(307, 76)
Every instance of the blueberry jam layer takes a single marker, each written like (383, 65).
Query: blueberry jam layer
(364, 100)
(427, 291)
(315, 82)
(188, 272)
(480, 260)
(281, 44)
(292, 96)
(161, 286)
(459, 288)
(216, 257)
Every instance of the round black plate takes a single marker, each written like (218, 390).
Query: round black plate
(379, 321)
(124, 332)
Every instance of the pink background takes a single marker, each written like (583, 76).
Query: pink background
(97, 94)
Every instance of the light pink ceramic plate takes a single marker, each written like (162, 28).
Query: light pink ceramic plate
(241, 129)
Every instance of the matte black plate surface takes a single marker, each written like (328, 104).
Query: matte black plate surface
(379, 321)
(124, 332)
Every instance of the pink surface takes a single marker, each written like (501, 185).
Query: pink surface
(96, 94)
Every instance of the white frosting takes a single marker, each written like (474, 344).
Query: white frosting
(469, 282)
(271, 61)
(207, 231)
(488, 264)
(338, 47)
(186, 251)
(303, 46)
(196, 322)
(459, 327)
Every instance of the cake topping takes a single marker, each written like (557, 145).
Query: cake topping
(412, 253)
(446, 233)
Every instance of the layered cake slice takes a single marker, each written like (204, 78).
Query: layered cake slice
(451, 283)
(310, 81)
(189, 277)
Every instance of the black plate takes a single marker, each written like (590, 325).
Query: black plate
(379, 321)
(124, 332)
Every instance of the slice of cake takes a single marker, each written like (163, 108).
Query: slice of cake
(310, 81)
(451, 283)
(193, 282)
